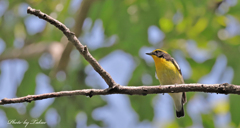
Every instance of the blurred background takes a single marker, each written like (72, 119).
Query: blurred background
(35, 58)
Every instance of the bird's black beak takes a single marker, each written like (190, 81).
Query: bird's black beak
(149, 53)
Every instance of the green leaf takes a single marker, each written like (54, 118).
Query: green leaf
(234, 109)
(28, 84)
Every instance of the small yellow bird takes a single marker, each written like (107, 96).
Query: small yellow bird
(168, 72)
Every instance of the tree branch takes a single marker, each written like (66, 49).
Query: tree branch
(72, 38)
(28, 51)
(115, 88)
(77, 29)
(32, 50)
(133, 90)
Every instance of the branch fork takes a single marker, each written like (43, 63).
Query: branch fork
(113, 87)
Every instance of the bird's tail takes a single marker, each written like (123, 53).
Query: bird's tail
(180, 113)
(179, 103)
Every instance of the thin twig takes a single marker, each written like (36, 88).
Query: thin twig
(113, 87)
(133, 90)
(77, 29)
(72, 38)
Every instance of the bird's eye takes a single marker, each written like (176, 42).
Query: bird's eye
(157, 51)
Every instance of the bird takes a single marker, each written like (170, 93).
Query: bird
(168, 72)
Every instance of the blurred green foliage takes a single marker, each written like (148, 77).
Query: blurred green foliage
(200, 21)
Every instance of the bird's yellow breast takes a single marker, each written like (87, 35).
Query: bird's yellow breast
(167, 72)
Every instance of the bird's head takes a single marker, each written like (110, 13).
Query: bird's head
(156, 54)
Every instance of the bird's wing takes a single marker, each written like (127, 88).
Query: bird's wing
(177, 66)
